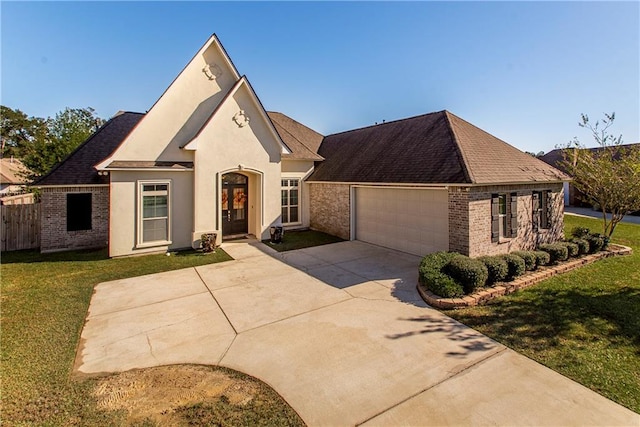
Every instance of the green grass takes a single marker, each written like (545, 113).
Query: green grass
(584, 324)
(44, 304)
(302, 239)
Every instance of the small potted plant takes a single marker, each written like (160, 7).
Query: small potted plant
(208, 241)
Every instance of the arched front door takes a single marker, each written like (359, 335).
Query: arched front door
(235, 203)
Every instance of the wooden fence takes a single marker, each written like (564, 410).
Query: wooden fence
(20, 227)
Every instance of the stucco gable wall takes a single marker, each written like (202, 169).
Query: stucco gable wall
(228, 144)
(181, 111)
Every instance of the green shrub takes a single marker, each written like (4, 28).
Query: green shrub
(572, 249)
(441, 284)
(597, 242)
(542, 258)
(471, 273)
(557, 251)
(433, 262)
(583, 245)
(497, 268)
(516, 266)
(529, 258)
(431, 276)
(580, 232)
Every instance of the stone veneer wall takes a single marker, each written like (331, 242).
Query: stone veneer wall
(329, 209)
(54, 234)
(470, 219)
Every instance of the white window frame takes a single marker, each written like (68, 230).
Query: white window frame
(140, 220)
(288, 188)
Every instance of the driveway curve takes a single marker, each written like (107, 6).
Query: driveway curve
(340, 332)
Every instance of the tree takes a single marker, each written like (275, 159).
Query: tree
(607, 176)
(18, 131)
(40, 143)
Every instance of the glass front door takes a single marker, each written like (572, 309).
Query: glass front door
(235, 204)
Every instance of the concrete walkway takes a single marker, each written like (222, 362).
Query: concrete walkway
(340, 332)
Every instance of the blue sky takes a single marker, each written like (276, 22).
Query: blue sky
(523, 71)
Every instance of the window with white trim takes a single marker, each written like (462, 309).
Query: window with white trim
(154, 212)
(290, 201)
(504, 216)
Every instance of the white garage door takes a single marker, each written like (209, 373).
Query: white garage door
(409, 220)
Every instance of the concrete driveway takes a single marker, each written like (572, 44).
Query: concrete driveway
(340, 332)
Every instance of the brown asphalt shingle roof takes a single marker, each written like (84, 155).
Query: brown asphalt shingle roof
(435, 148)
(302, 141)
(78, 167)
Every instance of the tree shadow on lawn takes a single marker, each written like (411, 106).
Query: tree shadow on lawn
(544, 317)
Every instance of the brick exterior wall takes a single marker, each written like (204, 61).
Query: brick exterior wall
(329, 209)
(54, 234)
(470, 219)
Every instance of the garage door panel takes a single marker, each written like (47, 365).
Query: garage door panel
(409, 220)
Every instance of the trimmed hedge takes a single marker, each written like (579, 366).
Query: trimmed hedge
(529, 258)
(557, 251)
(542, 258)
(430, 274)
(471, 273)
(597, 242)
(516, 266)
(497, 268)
(583, 245)
(443, 285)
(572, 249)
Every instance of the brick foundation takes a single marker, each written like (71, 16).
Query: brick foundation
(54, 234)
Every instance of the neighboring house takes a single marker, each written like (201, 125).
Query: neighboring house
(12, 176)
(207, 158)
(12, 181)
(572, 196)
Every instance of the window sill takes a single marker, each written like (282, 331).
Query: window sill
(504, 240)
(153, 244)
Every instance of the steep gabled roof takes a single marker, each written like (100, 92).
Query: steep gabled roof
(303, 141)
(78, 167)
(435, 148)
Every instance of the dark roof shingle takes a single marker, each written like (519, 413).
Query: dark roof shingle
(435, 148)
(302, 141)
(78, 167)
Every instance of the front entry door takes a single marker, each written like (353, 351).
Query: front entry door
(235, 203)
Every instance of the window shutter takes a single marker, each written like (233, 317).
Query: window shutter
(514, 215)
(495, 219)
(549, 205)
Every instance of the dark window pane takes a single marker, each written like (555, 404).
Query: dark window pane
(78, 211)
(293, 197)
(285, 216)
(293, 214)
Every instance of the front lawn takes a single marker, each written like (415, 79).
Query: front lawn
(44, 304)
(302, 239)
(584, 324)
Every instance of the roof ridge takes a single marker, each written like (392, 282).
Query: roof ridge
(385, 123)
(465, 163)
